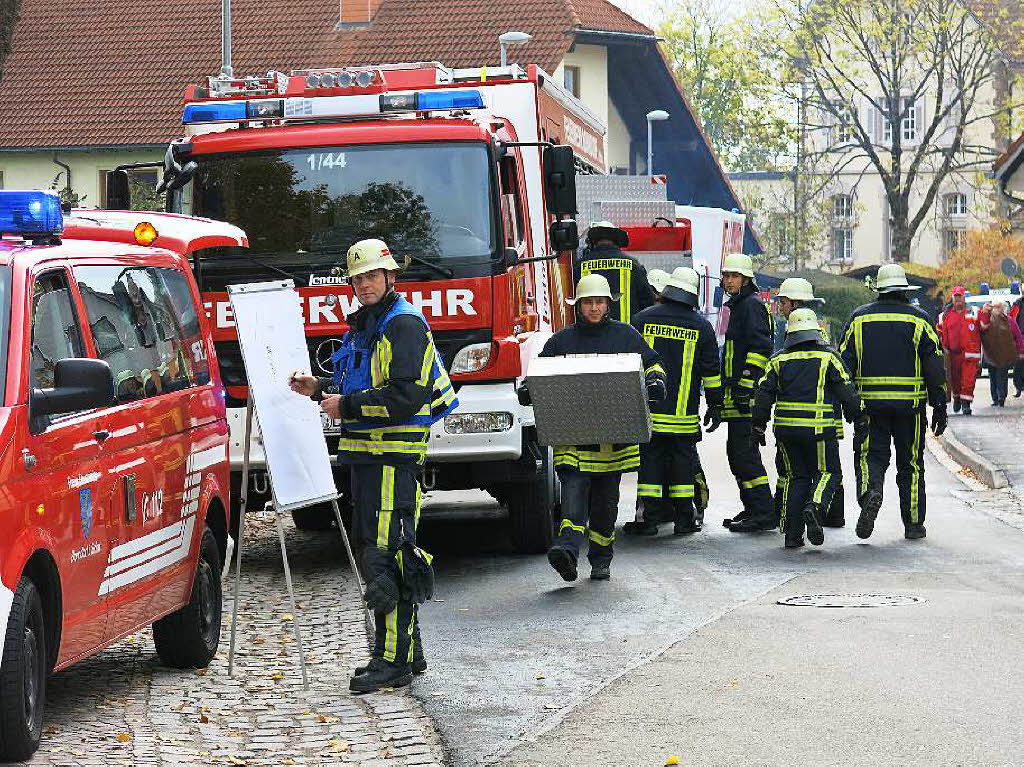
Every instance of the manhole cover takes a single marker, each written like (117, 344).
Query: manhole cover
(850, 600)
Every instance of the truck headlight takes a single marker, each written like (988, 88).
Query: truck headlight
(472, 358)
(477, 423)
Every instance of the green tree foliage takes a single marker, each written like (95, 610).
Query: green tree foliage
(980, 260)
(8, 17)
(711, 52)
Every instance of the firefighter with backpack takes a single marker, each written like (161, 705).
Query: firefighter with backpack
(392, 387)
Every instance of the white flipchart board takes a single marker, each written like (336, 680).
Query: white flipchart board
(268, 316)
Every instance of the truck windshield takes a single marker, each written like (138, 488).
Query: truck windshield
(303, 208)
(5, 323)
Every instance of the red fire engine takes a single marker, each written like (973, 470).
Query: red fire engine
(466, 173)
(113, 448)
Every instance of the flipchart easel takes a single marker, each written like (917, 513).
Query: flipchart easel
(284, 340)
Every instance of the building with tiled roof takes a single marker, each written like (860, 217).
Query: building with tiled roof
(87, 87)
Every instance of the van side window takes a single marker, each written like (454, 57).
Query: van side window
(55, 332)
(146, 327)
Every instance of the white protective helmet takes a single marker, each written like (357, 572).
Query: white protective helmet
(797, 289)
(891, 278)
(803, 326)
(367, 255)
(657, 278)
(739, 263)
(592, 286)
(683, 286)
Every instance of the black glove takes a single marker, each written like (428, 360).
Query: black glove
(524, 395)
(939, 420)
(417, 574)
(713, 418)
(382, 592)
(757, 438)
(655, 391)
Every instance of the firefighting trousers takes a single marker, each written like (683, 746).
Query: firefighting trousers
(590, 507)
(906, 431)
(386, 510)
(835, 513)
(963, 373)
(746, 465)
(671, 483)
(808, 471)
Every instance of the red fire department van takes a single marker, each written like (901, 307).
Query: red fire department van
(466, 174)
(113, 450)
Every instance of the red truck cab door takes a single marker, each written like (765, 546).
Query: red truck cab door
(64, 492)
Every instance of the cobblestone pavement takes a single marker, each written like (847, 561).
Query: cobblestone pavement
(122, 707)
(997, 433)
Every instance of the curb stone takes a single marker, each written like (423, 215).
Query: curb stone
(983, 469)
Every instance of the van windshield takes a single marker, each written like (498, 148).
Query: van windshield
(302, 209)
(5, 322)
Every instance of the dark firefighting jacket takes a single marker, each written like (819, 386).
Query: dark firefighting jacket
(749, 341)
(606, 337)
(807, 383)
(688, 348)
(389, 421)
(625, 275)
(894, 355)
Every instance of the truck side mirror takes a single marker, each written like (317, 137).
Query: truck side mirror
(563, 235)
(510, 258)
(719, 295)
(119, 195)
(560, 180)
(78, 384)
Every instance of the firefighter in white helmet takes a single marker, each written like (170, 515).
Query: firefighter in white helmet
(626, 276)
(749, 342)
(590, 474)
(392, 385)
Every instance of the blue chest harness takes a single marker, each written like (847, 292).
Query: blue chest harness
(352, 364)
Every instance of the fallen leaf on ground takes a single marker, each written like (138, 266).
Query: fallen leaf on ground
(204, 719)
(277, 676)
(202, 671)
(541, 676)
(286, 617)
(672, 760)
(324, 719)
(236, 760)
(338, 745)
(124, 737)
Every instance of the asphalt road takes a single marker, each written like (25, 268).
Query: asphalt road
(526, 669)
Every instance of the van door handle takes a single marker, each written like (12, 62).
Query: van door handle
(101, 435)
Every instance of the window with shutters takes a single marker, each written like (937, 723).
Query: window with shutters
(956, 204)
(908, 122)
(842, 129)
(954, 224)
(571, 80)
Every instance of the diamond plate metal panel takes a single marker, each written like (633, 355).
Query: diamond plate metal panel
(591, 189)
(632, 212)
(589, 399)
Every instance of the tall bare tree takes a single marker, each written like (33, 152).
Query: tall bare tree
(905, 89)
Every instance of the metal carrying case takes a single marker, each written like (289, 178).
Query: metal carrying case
(589, 399)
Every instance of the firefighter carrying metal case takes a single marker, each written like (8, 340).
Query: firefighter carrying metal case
(589, 399)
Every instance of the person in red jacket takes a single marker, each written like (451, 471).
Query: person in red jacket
(961, 340)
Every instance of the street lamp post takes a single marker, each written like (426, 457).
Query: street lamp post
(656, 116)
(511, 38)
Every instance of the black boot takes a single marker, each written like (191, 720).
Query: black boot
(754, 524)
(794, 541)
(687, 526)
(967, 407)
(869, 506)
(640, 528)
(563, 561)
(745, 514)
(956, 404)
(379, 675)
(600, 572)
(814, 532)
(914, 532)
(419, 664)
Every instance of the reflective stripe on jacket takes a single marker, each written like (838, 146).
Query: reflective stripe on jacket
(749, 341)
(894, 355)
(625, 275)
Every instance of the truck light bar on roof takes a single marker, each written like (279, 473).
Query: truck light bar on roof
(30, 213)
(331, 106)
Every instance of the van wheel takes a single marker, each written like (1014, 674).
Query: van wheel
(23, 676)
(531, 509)
(188, 638)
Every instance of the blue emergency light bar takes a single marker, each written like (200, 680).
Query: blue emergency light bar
(30, 213)
(331, 106)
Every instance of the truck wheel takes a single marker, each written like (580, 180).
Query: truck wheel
(188, 638)
(318, 517)
(531, 510)
(23, 676)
